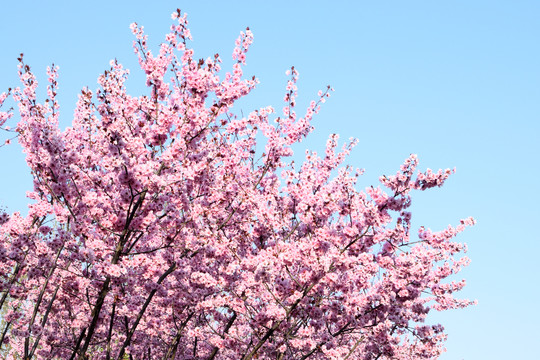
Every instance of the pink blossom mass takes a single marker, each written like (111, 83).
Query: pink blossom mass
(168, 226)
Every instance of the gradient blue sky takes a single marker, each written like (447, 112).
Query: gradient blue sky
(456, 82)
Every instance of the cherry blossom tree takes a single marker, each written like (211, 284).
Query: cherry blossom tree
(164, 226)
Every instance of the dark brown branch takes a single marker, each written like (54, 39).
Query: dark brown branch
(8, 324)
(105, 287)
(95, 316)
(127, 342)
(271, 331)
(215, 350)
(79, 341)
(11, 281)
(109, 335)
(171, 352)
(44, 321)
(38, 303)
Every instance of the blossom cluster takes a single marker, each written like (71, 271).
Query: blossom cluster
(164, 226)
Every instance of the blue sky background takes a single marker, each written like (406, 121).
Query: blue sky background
(456, 82)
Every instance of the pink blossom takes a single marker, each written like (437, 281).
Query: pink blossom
(167, 223)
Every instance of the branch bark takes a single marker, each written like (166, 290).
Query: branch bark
(127, 342)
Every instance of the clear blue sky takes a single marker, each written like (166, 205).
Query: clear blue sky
(457, 82)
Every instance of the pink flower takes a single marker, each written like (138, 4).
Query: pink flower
(160, 222)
